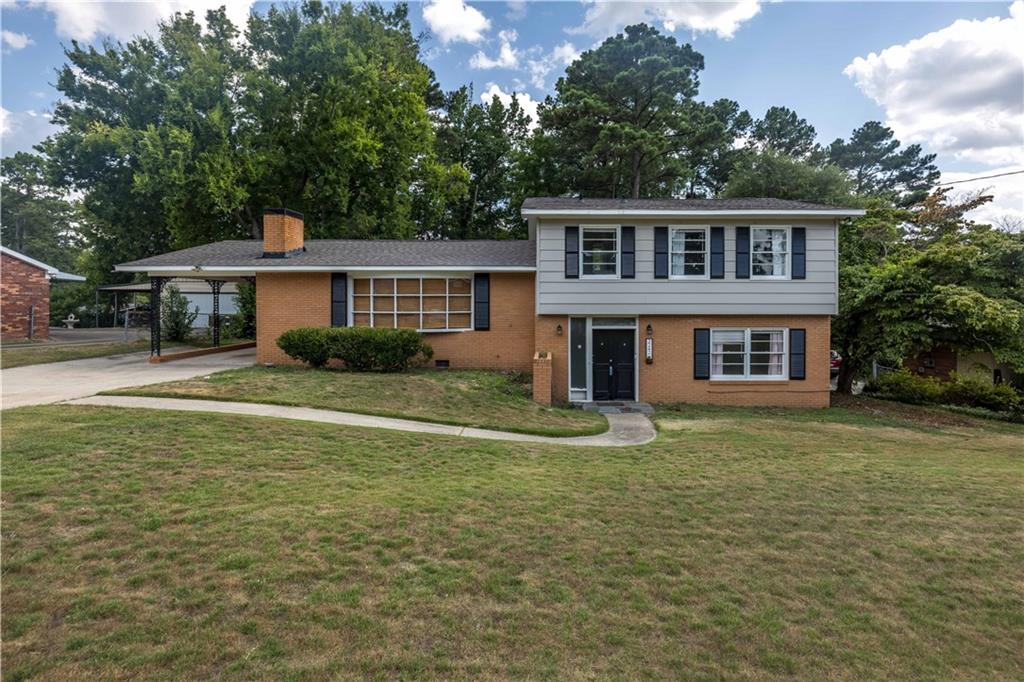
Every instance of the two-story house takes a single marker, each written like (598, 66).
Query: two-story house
(663, 300)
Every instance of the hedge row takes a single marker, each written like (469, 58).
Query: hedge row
(362, 349)
(966, 391)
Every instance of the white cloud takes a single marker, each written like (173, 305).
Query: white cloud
(19, 130)
(516, 10)
(455, 21)
(723, 18)
(528, 104)
(122, 20)
(1008, 193)
(16, 41)
(559, 58)
(508, 56)
(958, 91)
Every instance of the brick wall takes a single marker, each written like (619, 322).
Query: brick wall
(942, 361)
(670, 377)
(547, 339)
(282, 233)
(542, 377)
(509, 342)
(285, 301)
(23, 286)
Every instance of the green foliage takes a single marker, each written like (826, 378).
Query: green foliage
(368, 349)
(964, 391)
(619, 116)
(711, 152)
(311, 345)
(361, 349)
(783, 131)
(878, 167)
(176, 319)
(971, 391)
(243, 322)
(774, 174)
(183, 138)
(905, 387)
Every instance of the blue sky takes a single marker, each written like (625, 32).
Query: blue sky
(947, 75)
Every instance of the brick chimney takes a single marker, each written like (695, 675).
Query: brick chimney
(282, 233)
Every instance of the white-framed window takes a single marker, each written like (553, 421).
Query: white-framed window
(427, 304)
(769, 252)
(688, 252)
(748, 354)
(599, 248)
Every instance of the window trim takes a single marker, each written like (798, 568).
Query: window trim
(618, 251)
(789, 251)
(394, 312)
(706, 229)
(747, 376)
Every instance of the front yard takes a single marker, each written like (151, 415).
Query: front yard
(741, 543)
(23, 355)
(488, 400)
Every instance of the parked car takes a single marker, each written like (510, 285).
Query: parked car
(835, 362)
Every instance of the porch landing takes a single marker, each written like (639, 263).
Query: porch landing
(617, 407)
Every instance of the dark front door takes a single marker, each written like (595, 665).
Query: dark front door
(613, 364)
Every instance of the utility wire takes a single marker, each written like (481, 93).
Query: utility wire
(982, 177)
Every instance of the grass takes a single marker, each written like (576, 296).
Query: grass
(42, 353)
(482, 399)
(742, 543)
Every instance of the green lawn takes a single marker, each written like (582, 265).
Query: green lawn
(833, 544)
(41, 353)
(489, 400)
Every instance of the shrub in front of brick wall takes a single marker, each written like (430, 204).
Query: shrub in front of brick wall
(362, 349)
(973, 392)
(311, 345)
(905, 387)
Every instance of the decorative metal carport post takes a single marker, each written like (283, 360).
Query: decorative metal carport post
(156, 285)
(215, 285)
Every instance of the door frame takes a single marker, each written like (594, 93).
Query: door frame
(588, 350)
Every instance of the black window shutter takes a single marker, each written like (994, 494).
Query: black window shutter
(661, 253)
(742, 253)
(628, 252)
(339, 299)
(717, 252)
(701, 353)
(798, 354)
(799, 253)
(481, 301)
(572, 252)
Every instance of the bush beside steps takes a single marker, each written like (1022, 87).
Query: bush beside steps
(959, 391)
(362, 349)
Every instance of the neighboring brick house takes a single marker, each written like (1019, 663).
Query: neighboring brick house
(25, 295)
(939, 363)
(718, 301)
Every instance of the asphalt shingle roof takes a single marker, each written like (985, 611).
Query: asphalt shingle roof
(353, 253)
(571, 203)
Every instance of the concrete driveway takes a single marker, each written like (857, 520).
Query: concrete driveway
(58, 381)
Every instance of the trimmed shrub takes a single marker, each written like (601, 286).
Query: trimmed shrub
(362, 349)
(367, 349)
(973, 392)
(905, 387)
(311, 345)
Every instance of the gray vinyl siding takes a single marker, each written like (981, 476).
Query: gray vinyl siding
(815, 295)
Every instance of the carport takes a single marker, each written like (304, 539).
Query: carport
(155, 288)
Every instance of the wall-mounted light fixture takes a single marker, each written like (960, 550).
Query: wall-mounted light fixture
(650, 331)
(558, 330)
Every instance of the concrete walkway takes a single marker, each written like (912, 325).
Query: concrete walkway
(623, 429)
(54, 382)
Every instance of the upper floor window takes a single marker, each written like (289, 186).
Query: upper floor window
(424, 303)
(600, 250)
(748, 353)
(769, 252)
(688, 248)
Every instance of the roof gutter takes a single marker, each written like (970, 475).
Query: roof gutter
(675, 213)
(241, 269)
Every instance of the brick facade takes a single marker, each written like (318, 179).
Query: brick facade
(542, 377)
(23, 287)
(286, 301)
(936, 363)
(509, 342)
(670, 377)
